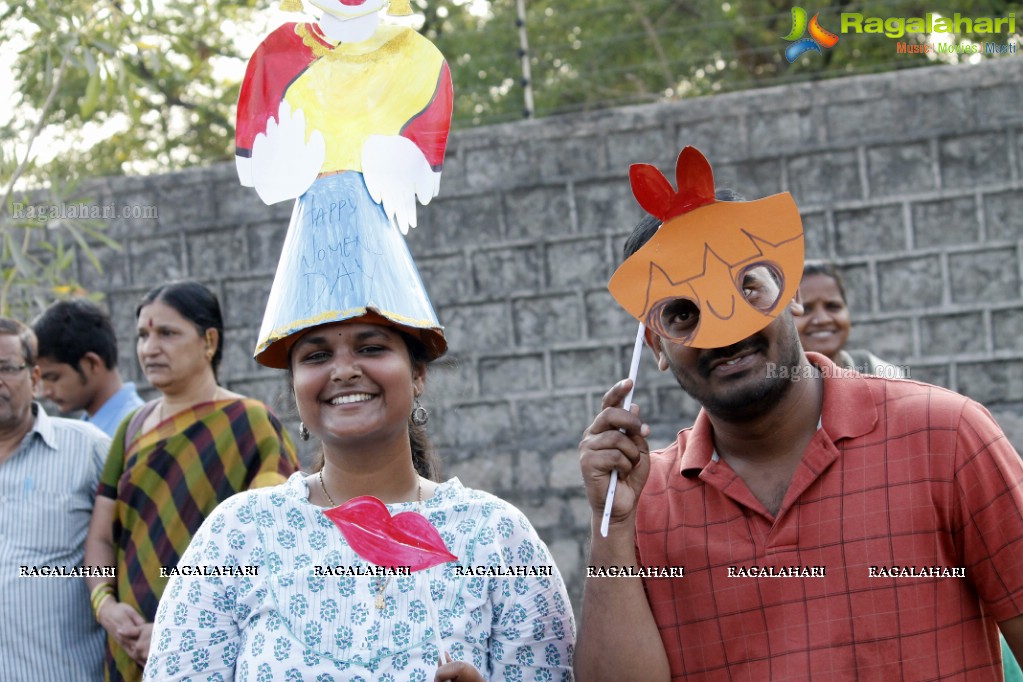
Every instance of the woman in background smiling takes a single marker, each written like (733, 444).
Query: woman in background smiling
(825, 323)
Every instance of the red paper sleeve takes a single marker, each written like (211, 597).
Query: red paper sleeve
(429, 129)
(275, 64)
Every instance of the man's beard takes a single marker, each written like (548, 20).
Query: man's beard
(749, 399)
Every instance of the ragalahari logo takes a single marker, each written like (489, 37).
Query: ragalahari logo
(819, 36)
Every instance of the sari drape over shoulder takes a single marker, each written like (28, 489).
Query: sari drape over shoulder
(167, 480)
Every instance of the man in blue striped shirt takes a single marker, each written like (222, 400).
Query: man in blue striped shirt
(49, 470)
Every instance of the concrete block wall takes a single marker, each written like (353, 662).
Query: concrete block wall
(912, 181)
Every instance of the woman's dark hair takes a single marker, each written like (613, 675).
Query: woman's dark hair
(424, 458)
(195, 303)
(828, 269)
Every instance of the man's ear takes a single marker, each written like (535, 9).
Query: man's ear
(795, 306)
(653, 341)
(90, 363)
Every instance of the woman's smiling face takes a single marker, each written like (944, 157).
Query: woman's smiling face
(824, 325)
(354, 381)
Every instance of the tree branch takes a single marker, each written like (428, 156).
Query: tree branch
(36, 129)
(651, 31)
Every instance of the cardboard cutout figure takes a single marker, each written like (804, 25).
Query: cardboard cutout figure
(345, 94)
(715, 271)
(351, 118)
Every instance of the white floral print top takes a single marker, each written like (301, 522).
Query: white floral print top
(285, 607)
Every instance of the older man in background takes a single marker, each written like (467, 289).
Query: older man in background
(49, 470)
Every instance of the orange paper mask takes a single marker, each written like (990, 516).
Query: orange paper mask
(715, 272)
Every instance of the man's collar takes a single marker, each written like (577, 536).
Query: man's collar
(699, 450)
(848, 411)
(849, 406)
(43, 425)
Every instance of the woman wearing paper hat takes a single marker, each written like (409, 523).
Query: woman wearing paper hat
(368, 569)
(322, 601)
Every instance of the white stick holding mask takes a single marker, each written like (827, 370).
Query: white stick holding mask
(637, 351)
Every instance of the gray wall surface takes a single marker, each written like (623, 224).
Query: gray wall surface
(912, 181)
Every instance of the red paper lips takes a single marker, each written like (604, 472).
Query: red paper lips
(406, 539)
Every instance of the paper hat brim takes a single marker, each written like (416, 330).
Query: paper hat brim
(275, 352)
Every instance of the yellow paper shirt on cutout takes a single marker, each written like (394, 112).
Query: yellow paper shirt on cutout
(374, 87)
(701, 255)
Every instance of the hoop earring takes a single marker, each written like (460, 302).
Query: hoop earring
(420, 415)
(303, 432)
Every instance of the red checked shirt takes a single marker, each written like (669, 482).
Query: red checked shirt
(903, 483)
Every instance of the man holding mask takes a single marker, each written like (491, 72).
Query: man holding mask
(835, 527)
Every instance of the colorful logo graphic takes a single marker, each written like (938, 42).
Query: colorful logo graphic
(819, 36)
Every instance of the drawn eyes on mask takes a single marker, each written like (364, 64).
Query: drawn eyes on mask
(678, 318)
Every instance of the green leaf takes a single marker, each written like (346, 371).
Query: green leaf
(91, 95)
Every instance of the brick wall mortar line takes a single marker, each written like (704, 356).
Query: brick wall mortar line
(875, 286)
(186, 266)
(914, 197)
(861, 166)
(942, 310)
(1019, 266)
(968, 358)
(936, 162)
(907, 226)
(1014, 160)
(573, 210)
(946, 280)
(917, 335)
(831, 233)
(548, 369)
(987, 324)
(922, 252)
(978, 205)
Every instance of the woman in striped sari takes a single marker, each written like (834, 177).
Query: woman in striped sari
(170, 464)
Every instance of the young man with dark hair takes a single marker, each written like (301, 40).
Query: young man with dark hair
(78, 364)
(831, 525)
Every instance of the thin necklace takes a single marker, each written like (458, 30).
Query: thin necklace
(331, 499)
(382, 583)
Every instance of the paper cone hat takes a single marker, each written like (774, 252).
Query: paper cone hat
(715, 272)
(343, 259)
